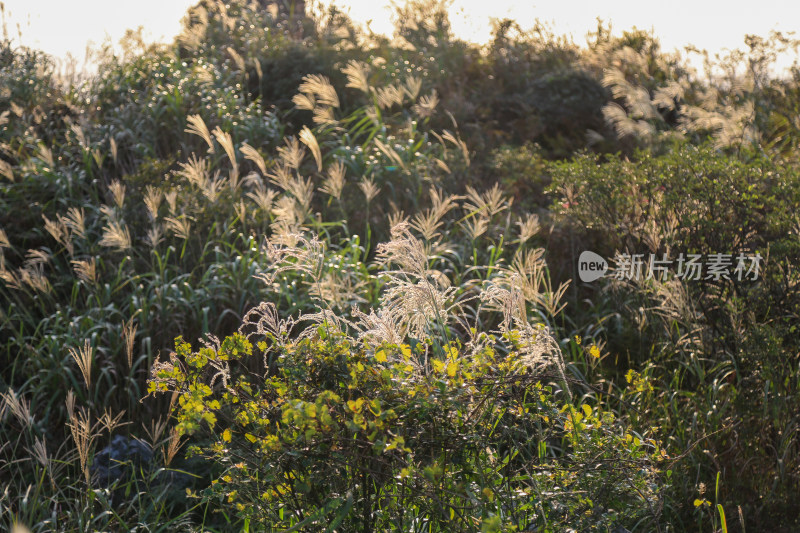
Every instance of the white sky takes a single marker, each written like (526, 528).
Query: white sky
(61, 26)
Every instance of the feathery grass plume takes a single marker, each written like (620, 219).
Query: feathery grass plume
(117, 192)
(81, 429)
(241, 210)
(320, 86)
(18, 407)
(390, 95)
(114, 150)
(109, 421)
(287, 218)
(412, 87)
(528, 227)
(475, 226)
(76, 221)
(369, 189)
(4, 242)
(292, 154)
(84, 357)
(304, 101)
(179, 226)
(490, 202)
(281, 176)
(324, 115)
(195, 171)
(17, 527)
(447, 135)
(198, 127)
(33, 276)
(172, 447)
(237, 59)
(226, 141)
(212, 187)
(293, 253)
(156, 430)
(340, 289)
(429, 221)
(116, 235)
(303, 192)
(4, 117)
(253, 155)
(129, 336)
(153, 237)
(265, 320)
(379, 328)
(16, 109)
(57, 229)
(623, 125)
(307, 137)
(86, 270)
(357, 72)
(39, 452)
(6, 170)
(35, 258)
(416, 297)
(334, 183)
(426, 105)
(78, 131)
(45, 154)
(12, 280)
(171, 197)
(194, 35)
(397, 217)
(152, 200)
(264, 198)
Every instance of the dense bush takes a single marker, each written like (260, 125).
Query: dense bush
(135, 206)
(391, 422)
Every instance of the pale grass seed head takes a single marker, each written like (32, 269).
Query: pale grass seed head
(76, 221)
(18, 407)
(334, 183)
(86, 270)
(81, 428)
(226, 141)
(320, 86)
(412, 87)
(84, 357)
(251, 154)
(528, 227)
(426, 105)
(198, 127)
(116, 235)
(357, 75)
(129, 336)
(171, 197)
(475, 226)
(180, 226)
(292, 154)
(307, 138)
(154, 235)
(117, 192)
(264, 198)
(369, 189)
(195, 171)
(152, 200)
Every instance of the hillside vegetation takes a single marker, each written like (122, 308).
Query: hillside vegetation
(284, 275)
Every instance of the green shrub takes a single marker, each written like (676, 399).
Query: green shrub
(393, 419)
